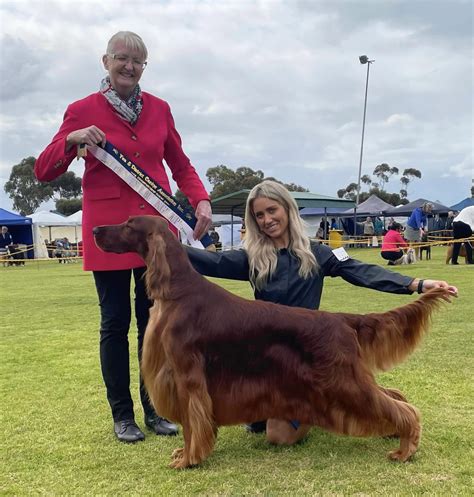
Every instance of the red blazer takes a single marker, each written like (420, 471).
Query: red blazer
(106, 198)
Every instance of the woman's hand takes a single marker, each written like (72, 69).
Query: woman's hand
(204, 219)
(88, 136)
(430, 284)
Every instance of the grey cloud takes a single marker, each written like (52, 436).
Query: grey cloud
(274, 85)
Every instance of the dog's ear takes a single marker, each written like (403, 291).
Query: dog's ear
(156, 246)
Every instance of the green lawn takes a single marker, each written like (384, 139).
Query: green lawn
(57, 431)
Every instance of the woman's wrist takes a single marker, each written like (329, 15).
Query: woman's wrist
(415, 285)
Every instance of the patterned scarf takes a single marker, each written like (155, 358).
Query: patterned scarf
(127, 109)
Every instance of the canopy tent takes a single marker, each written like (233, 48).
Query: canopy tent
(373, 206)
(19, 227)
(75, 218)
(320, 211)
(313, 216)
(406, 210)
(54, 225)
(234, 203)
(464, 203)
(47, 218)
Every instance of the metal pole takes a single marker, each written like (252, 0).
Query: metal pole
(361, 146)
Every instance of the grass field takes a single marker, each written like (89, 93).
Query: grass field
(56, 426)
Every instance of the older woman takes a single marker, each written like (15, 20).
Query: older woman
(141, 126)
(285, 267)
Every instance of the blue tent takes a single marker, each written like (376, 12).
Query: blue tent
(406, 210)
(464, 203)
(19, 227)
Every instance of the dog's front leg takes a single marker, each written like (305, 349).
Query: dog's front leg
(199, 429)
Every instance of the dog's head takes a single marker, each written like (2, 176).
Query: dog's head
(132, 236)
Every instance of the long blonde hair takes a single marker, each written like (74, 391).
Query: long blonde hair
(262, 254)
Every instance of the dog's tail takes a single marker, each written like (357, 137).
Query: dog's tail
(388, 338)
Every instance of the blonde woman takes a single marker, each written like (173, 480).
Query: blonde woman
(285, 267)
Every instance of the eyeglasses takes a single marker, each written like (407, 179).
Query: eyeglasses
(124, 59)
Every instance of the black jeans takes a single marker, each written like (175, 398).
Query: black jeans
(113, 290)
(461, 230)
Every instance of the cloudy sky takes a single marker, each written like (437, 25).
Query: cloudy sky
(274, 85)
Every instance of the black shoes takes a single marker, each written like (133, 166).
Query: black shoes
(257, 427)
(128, 431)
(161, 426)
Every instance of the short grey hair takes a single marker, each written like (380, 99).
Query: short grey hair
(131, 40)
(427, 206)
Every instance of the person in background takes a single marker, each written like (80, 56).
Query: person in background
(323, 229)
(463, 227)
(242, 231)
(417, 225)
(448, 227)
(393, 246)
(286, 267)
(5, 239)
(141, 126)
(368, 225)
(333, 223)
(378, 227)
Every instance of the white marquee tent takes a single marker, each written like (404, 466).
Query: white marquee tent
(76, 217)
(52, 226)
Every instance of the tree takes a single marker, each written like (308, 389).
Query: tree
(68, 185)
(68, 206)
(366, 179)
(349, 192)
(25, 190)
(28, 193)
(409, 175)
(383, 172)
(225, 181)
(291, 187)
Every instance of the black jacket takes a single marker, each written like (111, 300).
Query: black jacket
(286, 286)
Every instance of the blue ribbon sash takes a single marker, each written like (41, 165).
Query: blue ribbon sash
(137, 179)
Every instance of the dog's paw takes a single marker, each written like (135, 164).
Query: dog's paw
(400, 455)
(179, 460)
(177, 454)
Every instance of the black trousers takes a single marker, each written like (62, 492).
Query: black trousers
(113, 290)
(461, 230)
(391, 255)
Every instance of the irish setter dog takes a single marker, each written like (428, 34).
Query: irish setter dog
(211, 358)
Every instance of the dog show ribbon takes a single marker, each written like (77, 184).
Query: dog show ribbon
(137, 179)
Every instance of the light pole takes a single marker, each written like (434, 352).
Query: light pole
(363, 60)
